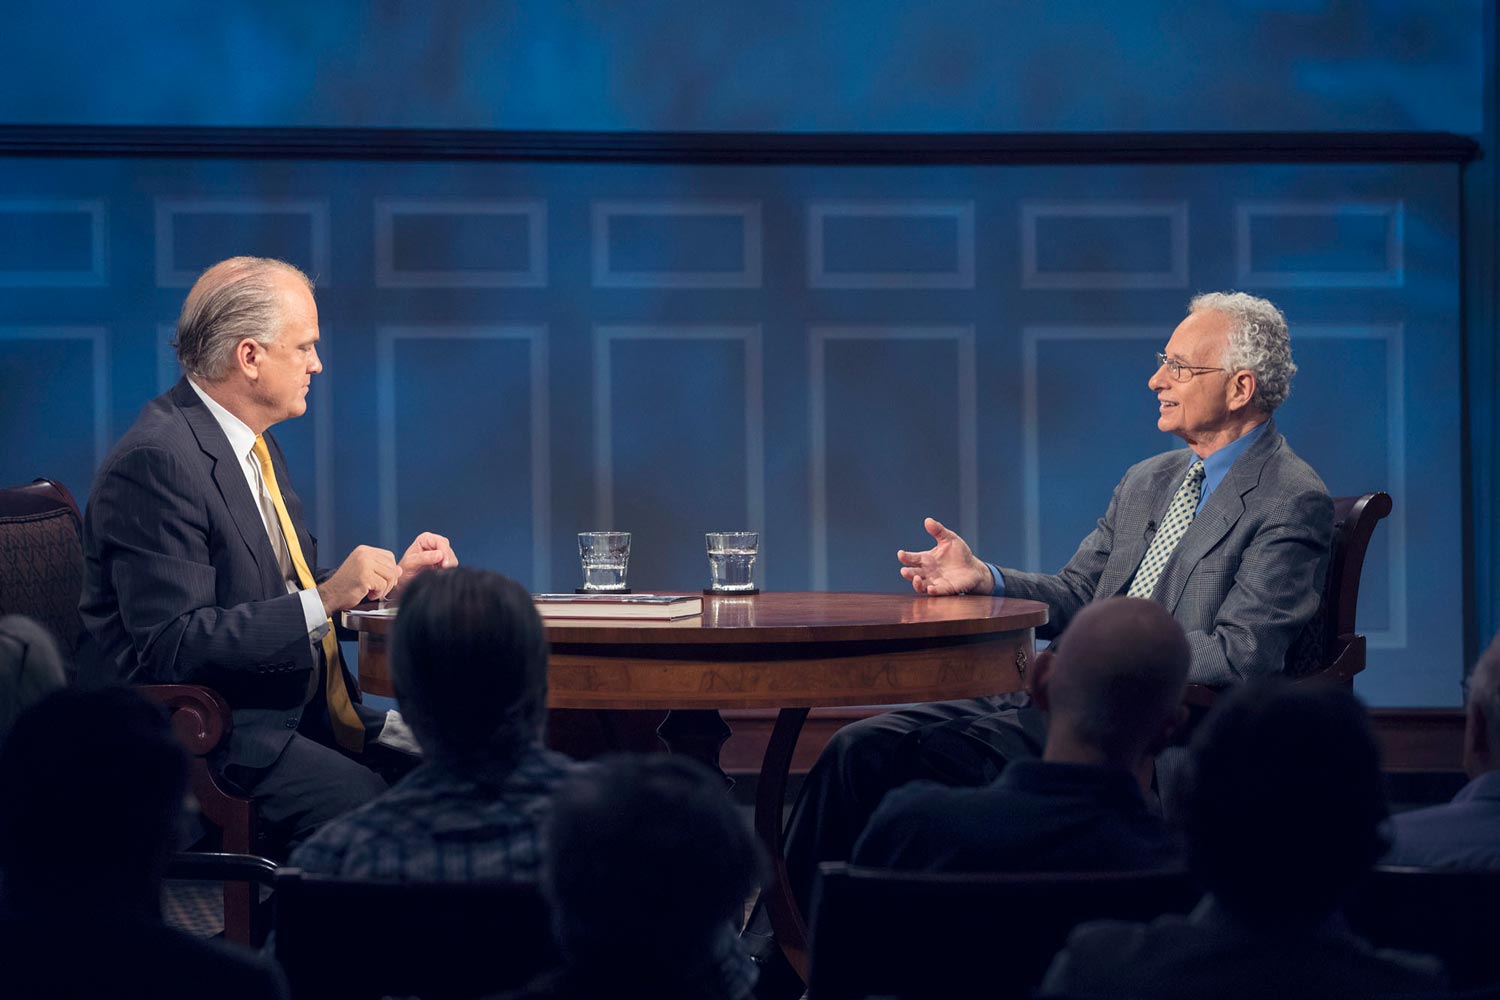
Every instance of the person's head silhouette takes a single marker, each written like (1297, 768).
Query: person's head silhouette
(1285, 803)
(91, 798)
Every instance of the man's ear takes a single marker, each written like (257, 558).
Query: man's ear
(247, 357)
(1241, 389)
(1041, 674)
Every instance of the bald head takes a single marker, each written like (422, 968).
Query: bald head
(1116, 681)
(233, 300)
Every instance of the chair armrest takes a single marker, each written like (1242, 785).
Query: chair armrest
(200, 717)
(211, 866)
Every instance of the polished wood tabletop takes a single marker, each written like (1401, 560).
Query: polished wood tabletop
(775, 650)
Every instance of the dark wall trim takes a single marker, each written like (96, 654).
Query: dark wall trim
(753, 148)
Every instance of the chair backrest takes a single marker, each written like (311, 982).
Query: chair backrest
(1330, 644)
(1454, 915)
(348, 938)
(916, 935)
(41, 561)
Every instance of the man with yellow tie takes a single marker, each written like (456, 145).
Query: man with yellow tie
(199, 568)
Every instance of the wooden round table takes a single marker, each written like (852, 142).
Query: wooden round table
(789, 651)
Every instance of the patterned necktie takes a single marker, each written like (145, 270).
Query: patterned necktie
(347, 729)
(1173, 526)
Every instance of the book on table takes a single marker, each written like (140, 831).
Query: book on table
(657, 607)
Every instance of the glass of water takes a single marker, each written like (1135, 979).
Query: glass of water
(731, 560)
(606, 557)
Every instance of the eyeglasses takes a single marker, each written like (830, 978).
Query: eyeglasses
(1181, 372)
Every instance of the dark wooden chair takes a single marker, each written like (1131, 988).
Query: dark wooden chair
(41, 575)
(1454, 915)
(1329, 647)
(918, 935)
(341, 939)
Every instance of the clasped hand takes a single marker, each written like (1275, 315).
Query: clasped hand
(371, 574)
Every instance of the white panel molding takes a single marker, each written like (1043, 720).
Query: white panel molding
(1393, 637)
(97, 275)
(541, 435)
(1393, 275)
(1175, 212)
(962, 276)
(1394, 525)
(965, 433)
(755, 420)
(169, 275)
(98, 339)
(605, 275)
(387, 275)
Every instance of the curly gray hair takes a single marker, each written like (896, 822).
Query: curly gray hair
(1258, 342)
(233, 300)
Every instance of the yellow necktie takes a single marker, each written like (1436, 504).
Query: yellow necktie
(347, 729)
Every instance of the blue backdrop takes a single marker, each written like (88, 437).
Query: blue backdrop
(518, 352)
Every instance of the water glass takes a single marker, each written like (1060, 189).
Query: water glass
(606, 557)
(731, 560)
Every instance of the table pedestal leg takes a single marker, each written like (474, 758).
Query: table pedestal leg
(698, 733)
(770, 798)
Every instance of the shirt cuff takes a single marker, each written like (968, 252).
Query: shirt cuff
(999, 590)
(313, 613)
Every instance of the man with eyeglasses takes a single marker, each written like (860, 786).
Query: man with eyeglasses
(1231, 535)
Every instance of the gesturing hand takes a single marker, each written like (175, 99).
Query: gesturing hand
(949, 567)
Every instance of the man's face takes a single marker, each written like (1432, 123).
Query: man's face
(287, 364)
(1196, 410)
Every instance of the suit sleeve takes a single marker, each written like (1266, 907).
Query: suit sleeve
(1277, 588)
(1070, 588)
(157, 541)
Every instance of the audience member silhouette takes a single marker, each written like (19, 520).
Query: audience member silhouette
(648, 870)
(469, 660)
(1113, 697)
(1464, 833)
(91, 795)
(30, 667)
(1283, 815)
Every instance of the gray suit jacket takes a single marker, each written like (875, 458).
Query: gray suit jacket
(181, 585)
(1245, 577)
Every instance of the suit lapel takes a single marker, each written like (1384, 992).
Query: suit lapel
(1223, 509)
(229, 478)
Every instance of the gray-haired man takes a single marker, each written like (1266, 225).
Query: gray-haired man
(200, 570)
(1230, 535)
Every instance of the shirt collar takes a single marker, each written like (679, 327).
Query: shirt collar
(241, 437)
(1216, 466)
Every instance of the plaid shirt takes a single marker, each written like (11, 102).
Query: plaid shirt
(437, 824)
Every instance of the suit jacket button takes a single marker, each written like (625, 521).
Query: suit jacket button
(291, 723)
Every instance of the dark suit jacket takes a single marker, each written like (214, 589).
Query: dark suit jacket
(181, 585)
(1245, 577)
(1037, 816)
(1213, 954)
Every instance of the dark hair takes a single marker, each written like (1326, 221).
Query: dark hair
(1285, 799)
(653, 835)
(469, 662)
(76, 757)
